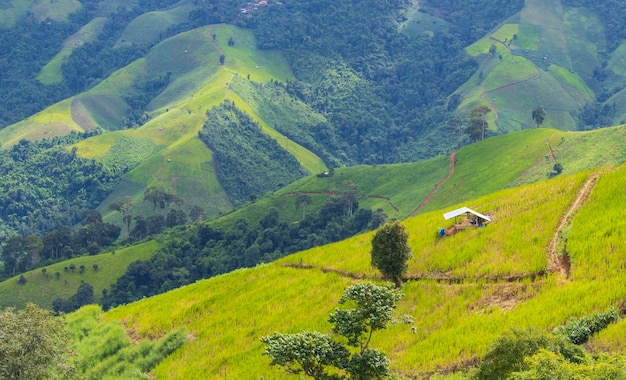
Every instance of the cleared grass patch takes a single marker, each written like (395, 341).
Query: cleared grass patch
(507, 32)
(147, 28)
(571, 81)
(42, 289)
(54, 121)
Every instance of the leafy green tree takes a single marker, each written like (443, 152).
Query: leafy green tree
(372, 310)
(313, 352)
(33, 344)
(477, 124)
(549, 365)
(124, 205)
(308, 352)
(390, 251)
(378, 218)
(538, 115)
(578, 330)
(161, 198)
(303, 200)
(507, 354)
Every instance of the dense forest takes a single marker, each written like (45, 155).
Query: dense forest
(394, 85)
(241, 151)
(43, 186)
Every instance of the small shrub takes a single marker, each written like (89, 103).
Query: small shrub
(579, 330)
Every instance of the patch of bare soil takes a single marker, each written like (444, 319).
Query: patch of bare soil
(504, 296)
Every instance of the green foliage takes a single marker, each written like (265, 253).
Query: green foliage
(477, 125)
(34, 344)
(507, 354)
(247, 162)
(579, 330)
(549, 365)
(202, 251)
(390, 251)
(538, 115)
(373, 307)
(310, 352)
(314, 352)
(43, 186)
(84, 296)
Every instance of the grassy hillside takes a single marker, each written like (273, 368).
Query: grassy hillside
(43, 288)
(399, 190)
(492, 165)
(165, 151)
(460, 296)
(546, 56)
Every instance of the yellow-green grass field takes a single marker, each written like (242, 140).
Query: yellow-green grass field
(54, 121)
(42, 289)
(455, 321)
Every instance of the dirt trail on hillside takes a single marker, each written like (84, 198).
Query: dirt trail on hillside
(433, 191)
(490, 101)
(559, 262)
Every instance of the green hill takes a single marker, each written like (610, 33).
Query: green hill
(548, 55)
(43, 288)
(463, 290)
(400, 190)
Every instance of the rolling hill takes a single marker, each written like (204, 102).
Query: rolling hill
(405, 190)
(462, 291)
(547, 55)
(325, 110)
(365, 89)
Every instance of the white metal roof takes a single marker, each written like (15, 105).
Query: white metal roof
(464, 210)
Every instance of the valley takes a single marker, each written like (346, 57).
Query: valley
(181, 178)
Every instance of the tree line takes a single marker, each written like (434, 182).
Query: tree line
(199, 251)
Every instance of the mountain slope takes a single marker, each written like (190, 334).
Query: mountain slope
(457, 297)
(399, 190)
(548, 55)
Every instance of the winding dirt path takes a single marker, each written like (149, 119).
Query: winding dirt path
(434, 190)
(558, 262)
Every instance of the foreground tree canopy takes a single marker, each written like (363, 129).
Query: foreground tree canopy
(33, 344)
(368, 308)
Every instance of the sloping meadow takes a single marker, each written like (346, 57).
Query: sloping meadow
(464, 291)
